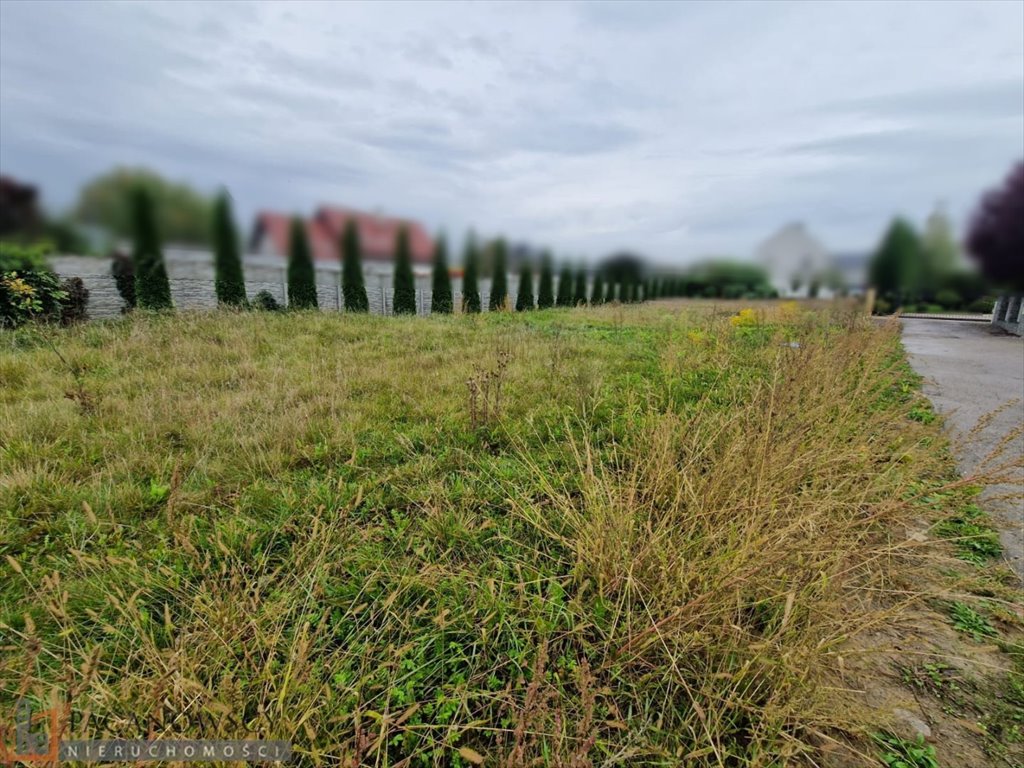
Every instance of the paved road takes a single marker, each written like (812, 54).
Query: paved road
(970, 371)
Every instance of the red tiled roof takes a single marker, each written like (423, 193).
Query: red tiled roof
(377, 234)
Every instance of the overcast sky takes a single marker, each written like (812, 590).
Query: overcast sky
(678, 130)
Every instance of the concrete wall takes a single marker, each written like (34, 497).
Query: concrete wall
(1008, 314)
(192, 282)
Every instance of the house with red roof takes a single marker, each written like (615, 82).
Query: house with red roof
(377, 236)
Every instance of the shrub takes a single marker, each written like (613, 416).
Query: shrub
(948, 299)
(565, 288)
(546, 287)
(470, 282)
(122, 268)
(301, 276)
(580, 289)
(74, 308)
(982, 305)
(441, 285)
(353, 286)
(152, 289)
(404, 302)
(499, 280)
(524, 298)
(597, 290)
(229, 282)
(29, 289)
(264, 300)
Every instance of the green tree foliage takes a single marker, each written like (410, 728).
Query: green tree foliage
(565, 288)
(895, 269)
(597, 290)
(546, 286)
(441, 284)
(524, 298)
(404, 302)
(579, 291)
(610, 293)
(471, 277)
(723, 278)
(229, 282)
(301, 275)
(152, 289)
(499, 279)
(183, 214)
(940, 244)
(996, 235)
(353, 286)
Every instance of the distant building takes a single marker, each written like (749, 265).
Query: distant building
(795, 260)
(377, 237)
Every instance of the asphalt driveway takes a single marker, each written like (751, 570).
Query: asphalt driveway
(969, 371)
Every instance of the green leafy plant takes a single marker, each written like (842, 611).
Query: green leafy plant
(975, 541)
(901, 753)
(969, 621)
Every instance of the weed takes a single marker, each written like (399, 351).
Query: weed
(969, 621)
(901, 753)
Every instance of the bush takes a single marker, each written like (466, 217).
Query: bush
(29, 289)
(984, 306)
(122, 268)
(949, 299)
(74, 308)
(265, 301)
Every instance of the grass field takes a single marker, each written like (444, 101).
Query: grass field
(634, 535)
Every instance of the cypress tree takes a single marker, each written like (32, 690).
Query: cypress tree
(597, 291)
(524, 299)
(499, 281)
(609, 296)
(301, 276)
(564, 296)
(353, 286)
(546, 288)
(227, 263)
(441, 285)
(580, 290)
(404, 302)
(152, 289)
(470, 287)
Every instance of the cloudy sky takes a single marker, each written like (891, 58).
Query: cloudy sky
(679, 130)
